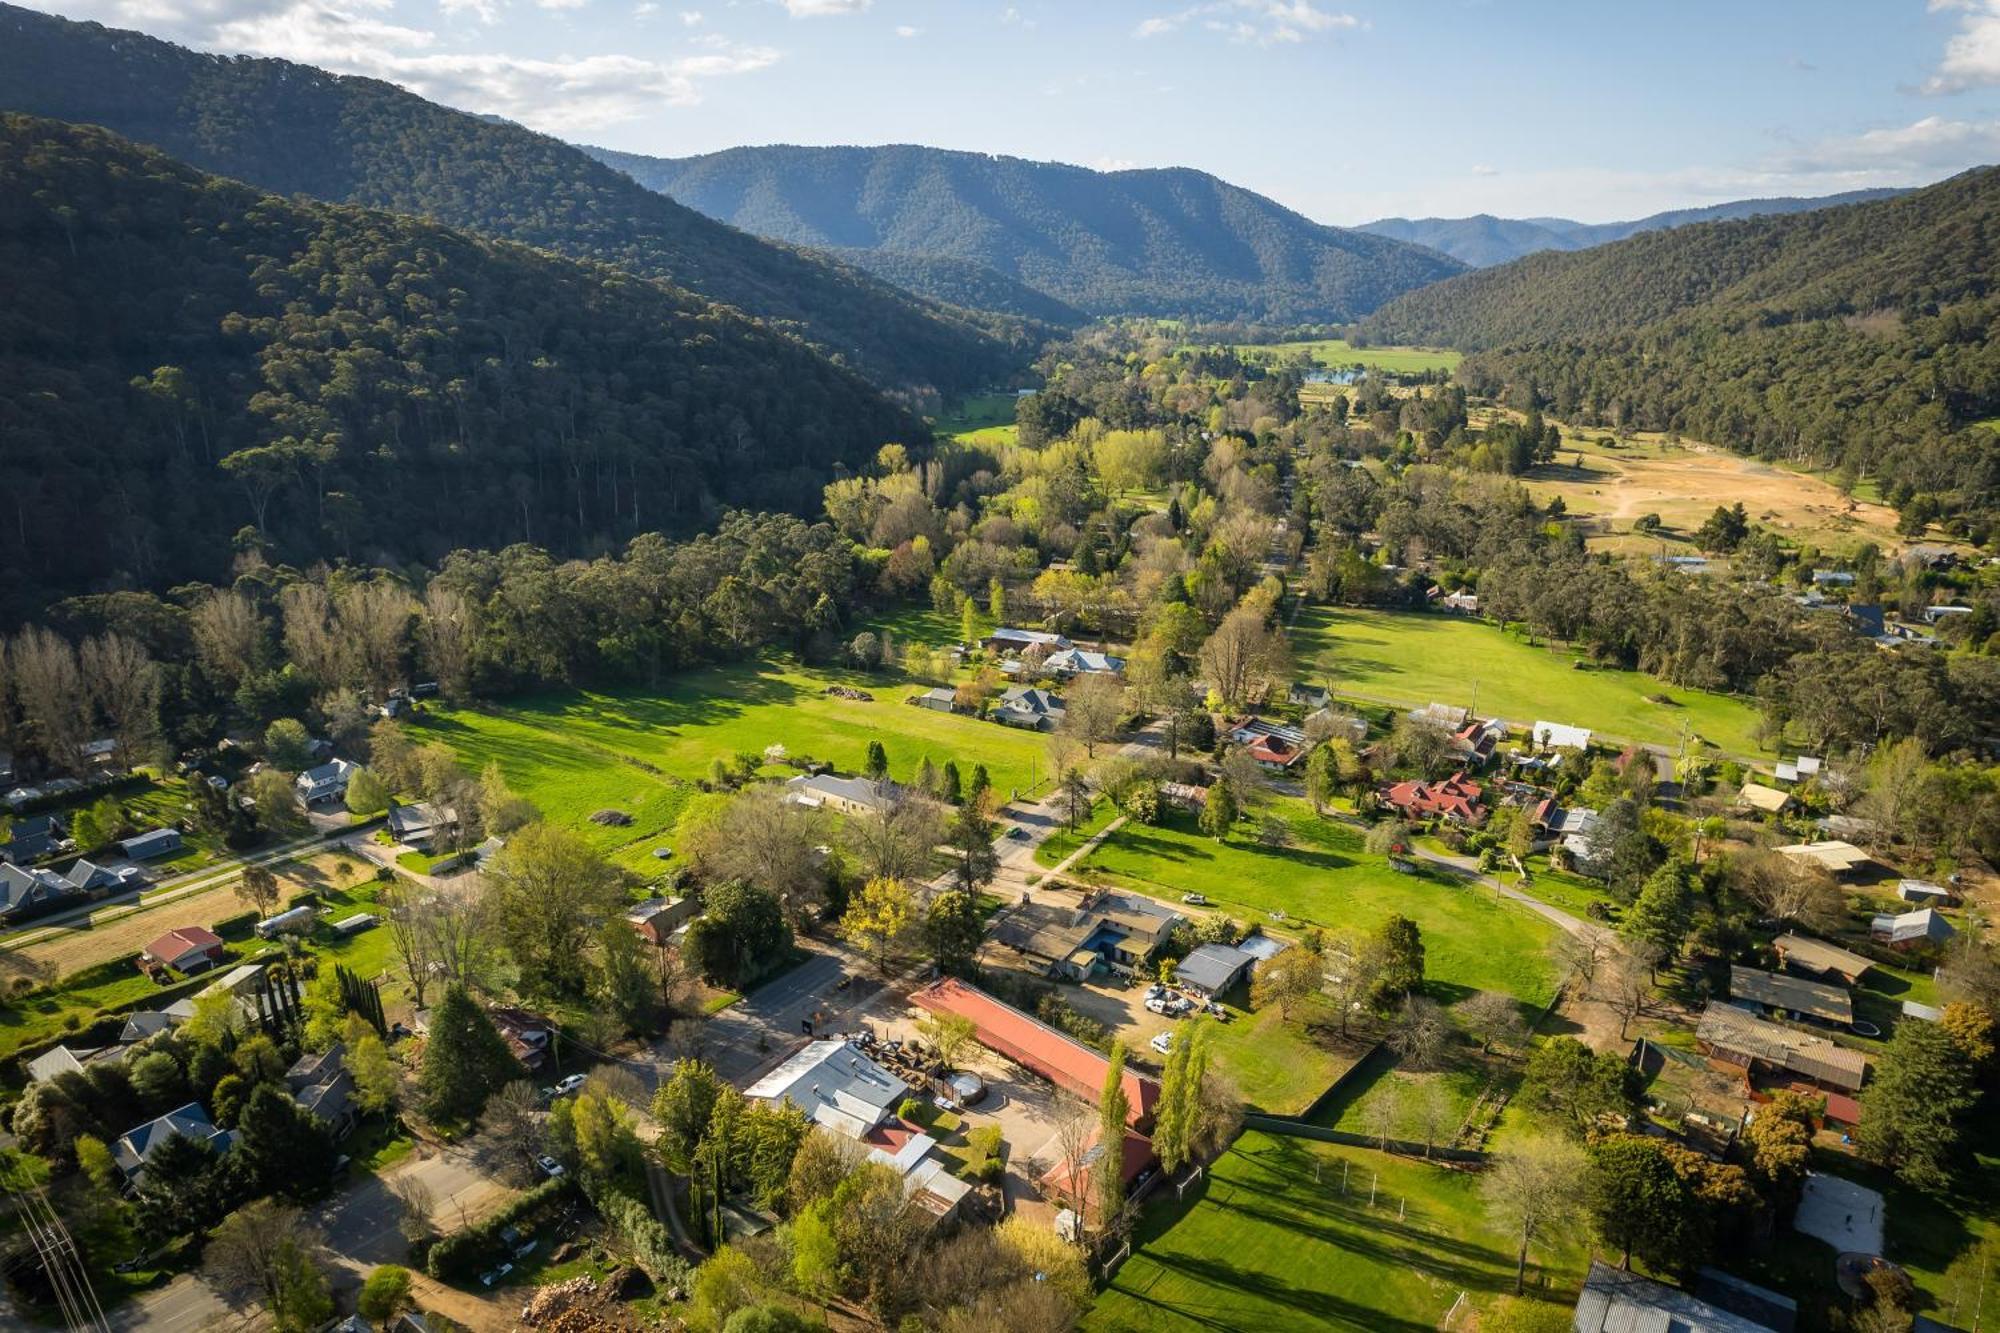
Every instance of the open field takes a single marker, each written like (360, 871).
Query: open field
(987, 418)
(1412, 657)
(577, 752)
(1268, 1245)
(1338, 354)
(1683, 483)
(1281, 1068)
(1472, 939)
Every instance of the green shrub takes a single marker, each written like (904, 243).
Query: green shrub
(236, 927)
(985, 1141)
(460, 1256)
(911, 1110)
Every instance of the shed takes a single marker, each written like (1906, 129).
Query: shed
(1213, 968)
(157, 842)
(1802, 953)
(354, 925)
(296, 921)
(1766, 800)
(1924, 893)
(1831, 855)
(1912, 930)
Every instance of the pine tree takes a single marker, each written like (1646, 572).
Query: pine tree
(465, 1059)
(1218, 813)
(950, 785)
(877, 764)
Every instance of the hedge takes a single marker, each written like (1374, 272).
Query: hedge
(237, 927)
(462, 1255)
(652, 1245)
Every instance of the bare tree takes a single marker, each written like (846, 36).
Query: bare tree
(413, 943)
(1436, 1118)
(319, 650)
(896, 842)
(1246, 777)
(457, 927)
(1093, 708)
(1382, 1113)
(415, 1206)
(1583, 954)
(1495, 1018)
(1536, 1188)
(1421, 1034)
(1244, 655)
(1424, 744)
(124, 683)
(766, 839)
(1631, 984)
(255, 1250)
(1076, 1122)
(49, 689)
(375, 618)
(445, 633)
(510, 1128)
(229, 637)
(1790, 889)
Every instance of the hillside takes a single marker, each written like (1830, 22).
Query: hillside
(1157, 242)
(291, 128)
(184, 359)
(1864, 340)
(1484, 240)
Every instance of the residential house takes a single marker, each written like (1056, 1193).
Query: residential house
(186, 949)
(1213, 968)
(1454, 799)
(1560, 736)
(29, 893)
(1274, 745)
(528, 1035)
(1837, 858)
(1616, 1300)
(1312, 698)
(1039, 1048)
(320, 1083)
(1474, 742)
(1066, 663)
(152, 1022)
(1925, 893)
(1347, 726)
(1762, 799)
(1030, 707)
(941, 699)
(1799, 770)
(848, 796)
(1802, 953)
(325, 782)
(152, 844)
(1449, 716)
(1912, 930)
(136, 1145)
(421, 825)
(1073, 1180)
(1730, 1036)
(1793, 996)
(1867, 620)
(657, 919)
(1184, 796)
(1008, 639)
(1117, 931)
(1465, 602)
(89, 877)
(61, 1060)
(31, 838)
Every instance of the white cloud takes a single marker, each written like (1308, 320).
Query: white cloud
(809, 9)
(486, 11)
(1481, 169)
(1972, 56)
(560, 4)
(906, 31)
(1933, 143)
(691, 18)
(1262, 22)
(1112, 164)
(1158, 26)
(645, 9)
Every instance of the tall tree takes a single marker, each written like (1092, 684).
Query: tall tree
(548, 884)
(1107, 1175)
(1536, 1188)
(465, 1059)
(1914, 1109)
(879, 917)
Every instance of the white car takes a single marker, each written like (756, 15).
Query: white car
(1157, 1005)
(493, 1275)
(550, 1166)
(1195, 899)
(1163, 1043)
(566, 1086)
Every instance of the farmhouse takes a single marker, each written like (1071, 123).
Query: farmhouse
(1007, 639)
(1454, 798)
(1912, 930)
(33, 838)
(657, 919)
(186, 949)
(135, 1146)
(1213, 968)
(1312, 698)
(1030, 707)
(1801, 953)
(327, 782)
(848, 796)
(1835, 857)
(1067, 662)
(1731, 1036)
(1039, 1048)
(1764, 800)
(1792, 995)
(1118, 931)
(146, 846)
(1560, 736)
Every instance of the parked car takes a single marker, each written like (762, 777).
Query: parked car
(550, 1166)
(1195, 899)
(563, 1088)
(1156, 1005)
(493, 1275)
(1163, 1043)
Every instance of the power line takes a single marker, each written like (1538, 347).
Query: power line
(69, 1280)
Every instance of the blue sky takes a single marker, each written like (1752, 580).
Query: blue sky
(1343, 109)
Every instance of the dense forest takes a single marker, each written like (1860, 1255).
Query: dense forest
(191, 369)
(292, 129)
(1156, 242)
(1863, 340)
(1483, 240)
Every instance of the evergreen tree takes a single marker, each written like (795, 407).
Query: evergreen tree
(950, 785)
(1663, 912)
(1400, 947)
(876, 766)
(1914, 1108)
(281, 1148)
(1322, 777)
(1107, 1174)
(1641, 1206)
(465, 1059)
(1218, 812)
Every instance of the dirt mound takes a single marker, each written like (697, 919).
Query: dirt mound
(611, 818)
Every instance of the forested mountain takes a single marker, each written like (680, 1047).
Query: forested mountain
(189, 367)
(1864, 339)
(1159, 242)
(964, 283)
(292, 128)
(1484, 240)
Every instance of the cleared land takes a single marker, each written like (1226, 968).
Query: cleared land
(1413, 657)
(1472, 939)
(1338, 354)
(1277, 1242)
(987, 418)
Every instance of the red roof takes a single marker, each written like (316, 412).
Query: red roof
(1037, 1047)
(1274, 750)
(1061, 1179)
(180, 941)
(1454, 797)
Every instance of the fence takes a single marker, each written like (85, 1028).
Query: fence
(1299, 1129)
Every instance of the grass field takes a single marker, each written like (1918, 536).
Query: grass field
(1282, 1068)
(1276, 1242)
(986, 418)
(1471, 938)
(1337, 354)
(575, 753)
(1411, 657)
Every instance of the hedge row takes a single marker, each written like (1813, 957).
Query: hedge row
(651, 1244)
(463, 1255)
(237, 927)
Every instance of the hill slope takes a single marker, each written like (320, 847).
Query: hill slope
(182, 355)
(1161, 242)
(1863, 339)
(1484, 240)
(291, 128)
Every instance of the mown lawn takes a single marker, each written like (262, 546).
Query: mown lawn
(1275, 1241)
(1412, 657)
(1281, 1068)
(1325, 878)
(1052, 849)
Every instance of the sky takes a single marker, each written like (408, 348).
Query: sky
(1346, 110)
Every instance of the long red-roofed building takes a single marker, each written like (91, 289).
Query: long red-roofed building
(1039, 1048)
(1453, 798)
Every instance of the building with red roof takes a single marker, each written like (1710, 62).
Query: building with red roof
(1069, 1180)
(1455, 798)
(186, 949)
(1039, 1048)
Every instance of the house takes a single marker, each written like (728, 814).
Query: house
(28, 893)
(321, 1084)
(420, 824)
(1117, 931)
(657, 919)
(296, 921)
(1345, 725)
(940, 699)
(1475, 740)
(1454, 798)
(89, 877)
(155, 843)
(1030, 707)
(1730, 1036)
(1801, 953)
(240, 980)
(1762, 799)
(1213, 968)
(1945, 611)
(1925, 893)
(152, 1022)
(326, 782)
(1866, 619)
(1073, 1179)
(528, 1035)
(1065, 663)
(1464, 602)
(1792, 995)
(837, 1087)
(1312, 698)
(1184, 796)
(1007, 639)
(1275, 746)
(1615, 1300)
(1912, 930)
(1832, 855)
(848, 796)
(32, 838)
(1560, 736)
(58, 1061)
(186, 949)
(1039, 1048)
(1449, 716)
(134, 1146)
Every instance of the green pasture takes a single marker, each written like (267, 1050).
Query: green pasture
(1338, 354)
(1414, 658)
(986, 418)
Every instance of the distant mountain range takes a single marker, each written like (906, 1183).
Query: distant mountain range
(1484, 240)
(1003, 232)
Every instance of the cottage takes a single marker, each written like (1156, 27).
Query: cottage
(1792, 995)
(150, 845)
(941, 699)
(1068, 662)
(1912, 930)
(1454, 798)
(186, 949)
(1835, 857)
(1184, 796)
(1762, 799)
(1008, 639)
(1615, 1300)
(1464, 602)
(1449, 716)
(1117, 931)
(326, 782)
(1802, 953)
(1312, 698)
(321, 1084)
(1029, 707)
(1730, 1036)
(32, 838)
(657, 919)
(421, 824)
(135, 1146)
(1213, 968)
(60, 1060)
(848, 796)
(1560, 736)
